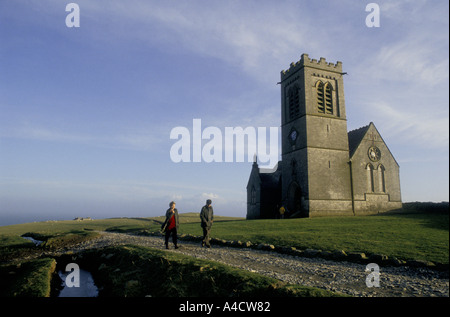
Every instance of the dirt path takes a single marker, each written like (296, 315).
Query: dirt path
(345, 277)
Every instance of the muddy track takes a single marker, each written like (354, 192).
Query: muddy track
(344, 277)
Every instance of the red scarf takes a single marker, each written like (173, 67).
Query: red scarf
(172, 223)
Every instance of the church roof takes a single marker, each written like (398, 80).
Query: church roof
(355, 137)
(270, 180)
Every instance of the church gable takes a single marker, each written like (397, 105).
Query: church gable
(254, 193)
(263, 193)
(363, 139)
(375, 172)
(254, 180)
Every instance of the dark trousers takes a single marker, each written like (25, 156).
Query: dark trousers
(172, 232)
(206, 233)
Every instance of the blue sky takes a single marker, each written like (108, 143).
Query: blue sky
(86, 113)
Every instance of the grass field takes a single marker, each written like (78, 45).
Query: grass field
(418, 235)
(405, 236)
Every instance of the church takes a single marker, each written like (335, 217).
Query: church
(324, 169)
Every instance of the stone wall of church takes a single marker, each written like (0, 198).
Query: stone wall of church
(253, 210)
(329, 174)
(319, 208)
(327, 132)
(295, 173)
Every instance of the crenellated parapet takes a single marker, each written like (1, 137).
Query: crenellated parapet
(305, 61)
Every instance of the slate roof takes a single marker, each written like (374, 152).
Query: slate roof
(355, 137)
(270, 180)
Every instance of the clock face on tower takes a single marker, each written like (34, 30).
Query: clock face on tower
(293, 135)
(374, 153)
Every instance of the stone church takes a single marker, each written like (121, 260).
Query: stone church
(324, 170)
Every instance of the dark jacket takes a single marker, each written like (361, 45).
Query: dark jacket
(168, 216)
(207, 216)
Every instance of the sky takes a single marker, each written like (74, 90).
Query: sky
(86, 112)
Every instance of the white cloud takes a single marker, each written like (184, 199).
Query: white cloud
(176, 197)
(422, 128)
(414, 44)
(402, 84)
(210, 196)
(412, 60)
(247, 35)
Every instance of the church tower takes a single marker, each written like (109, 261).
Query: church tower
(315, 150)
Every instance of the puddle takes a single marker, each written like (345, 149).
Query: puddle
(36, 242)
(87, 286)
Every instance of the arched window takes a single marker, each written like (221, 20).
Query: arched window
(294, 102)
(320, 97)
(324, 97)
(370, 184)
(381, 173)
(328, 99)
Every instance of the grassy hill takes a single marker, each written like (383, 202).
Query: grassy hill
(404, 236)
(419, 233)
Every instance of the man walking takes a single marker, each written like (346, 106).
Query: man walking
(206, 217)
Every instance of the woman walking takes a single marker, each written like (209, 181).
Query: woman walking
(170, 225)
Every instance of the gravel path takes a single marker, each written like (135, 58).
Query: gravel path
(345, 277)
